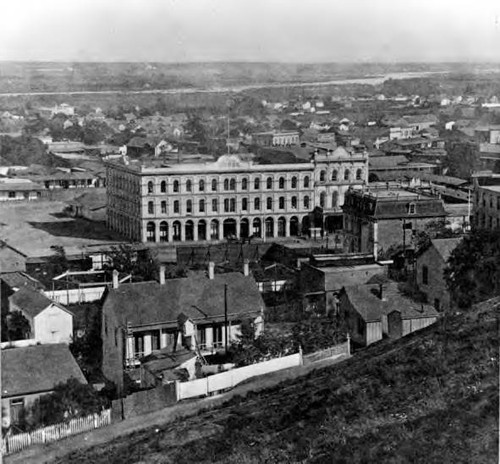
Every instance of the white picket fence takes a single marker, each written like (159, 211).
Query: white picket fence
(76, 295)
(229, 379)
(15, 443)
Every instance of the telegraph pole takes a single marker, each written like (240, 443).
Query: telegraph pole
(225, 314)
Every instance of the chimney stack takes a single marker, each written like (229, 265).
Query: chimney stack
(115, 279)
(162, 274)
(246, 268)
(381, 292)
(211, 270)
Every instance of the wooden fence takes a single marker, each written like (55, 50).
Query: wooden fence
(76, 295)
(15, 443)
(332, 352)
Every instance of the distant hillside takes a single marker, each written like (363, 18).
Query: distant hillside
(431, 397)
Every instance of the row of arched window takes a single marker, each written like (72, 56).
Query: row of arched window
(229, 184)
(229, 205)
(334, 176)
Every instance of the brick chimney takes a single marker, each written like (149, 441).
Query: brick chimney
(246, 267)
(381, 292)
(162, 274)
(115, 279)
(211, 270)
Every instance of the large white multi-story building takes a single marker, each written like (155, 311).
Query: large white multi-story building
(230, 198)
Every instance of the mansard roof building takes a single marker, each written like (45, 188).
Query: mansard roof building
(229, 198)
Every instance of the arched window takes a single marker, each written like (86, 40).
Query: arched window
(256, 183)
(201, 185)
(256, 204)
(164, 207)
(244, 204)
(335, 199)
(281, 203)
(322, 176)
(151, 232)
(335, 175)
(306, 182)
(215, 204)
(214, 185)
(232, 184)
(294, 202)
(151, 207)
(269, 183)
(226, 184)
(359, 174)
(281, 183)
(269, 203)
(201, 206)
(294, 182)
(347, 174)
(244, 183)
(226, 205)
(176, 206)
(189, 206)
(163, 187)
(189, 186)
(232, 205)
(150, 187)
(176, 185)
(322, 199)
(306, 202)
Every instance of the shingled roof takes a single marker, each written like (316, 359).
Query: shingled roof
(195, 297)
(31, 302)
(365, 299)
(37, 369)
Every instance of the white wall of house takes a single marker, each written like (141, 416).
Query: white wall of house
(53, 325)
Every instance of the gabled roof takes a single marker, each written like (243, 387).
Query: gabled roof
(196, 297)
(366, 302)
(445, 246)
(31, 301)
(20, 280)
(37, 369)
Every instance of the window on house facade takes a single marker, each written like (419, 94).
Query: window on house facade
(164, 207)
(256, 183)
(269, 183)
(359, 174)
(306, 182)
(217, 336)
(256, 204)
(176, 206)
(163, 187)
(425, 275)
(294, 182)
(269, 203)
(226, 205)
(12, 194)
(322, 176)
(189, 206)
(244, 184)
(201, 206)
(232, 205)
(214, 185)
(335, 175)
(306, 202)
(335, 199)
(189, 186)
(201, 185)
(281, 183)
(226, 184)
(176, 186)
(151, 207)
(150, 187)
(322, 199)
(244, 204)
(411, 208)
(215, 204)
(281, 203)
(294, 202)
(232, 184)
(16, 410)
(347, 174)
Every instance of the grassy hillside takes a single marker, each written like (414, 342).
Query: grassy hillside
(431, 397)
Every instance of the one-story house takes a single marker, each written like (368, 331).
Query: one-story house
(50, 322)
(31, 372)
(142, 318)
(374, 311)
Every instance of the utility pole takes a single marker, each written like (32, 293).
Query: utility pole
(225, 314)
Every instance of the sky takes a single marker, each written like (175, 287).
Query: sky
(250, 30)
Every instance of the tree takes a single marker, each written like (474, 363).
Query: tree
(432, 230)
(143, 265)
(473, 272)
(58, 262)
(68, 400)
(315, 333)
(16, 326)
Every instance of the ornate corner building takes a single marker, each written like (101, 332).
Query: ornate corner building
(230, 198)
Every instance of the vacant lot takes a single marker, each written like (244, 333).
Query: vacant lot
(36, 226)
